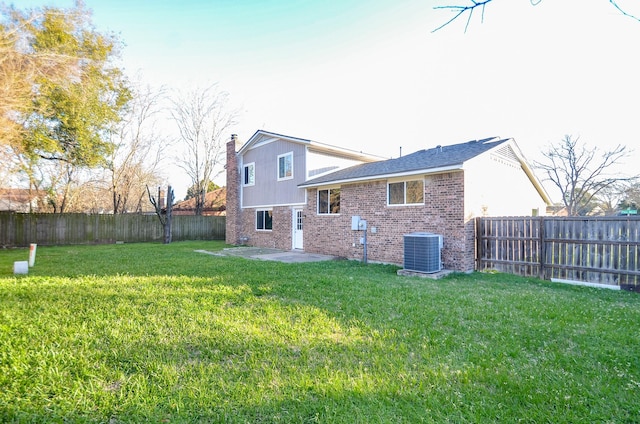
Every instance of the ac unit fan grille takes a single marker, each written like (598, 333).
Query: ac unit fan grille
(422, 252)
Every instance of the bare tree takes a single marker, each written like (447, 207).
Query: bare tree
(459, 10)
(135, 160)
(203, 121)
(581, 173)
(611, 197)
(163, 214)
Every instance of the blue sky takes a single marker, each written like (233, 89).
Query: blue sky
(370, 75)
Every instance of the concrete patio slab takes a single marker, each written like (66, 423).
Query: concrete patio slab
(293, 256)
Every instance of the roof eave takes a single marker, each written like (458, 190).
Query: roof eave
(323, 147)
(527, 170)
(328, 148)
(431, 171)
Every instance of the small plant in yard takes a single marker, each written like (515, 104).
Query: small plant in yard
(161, 333)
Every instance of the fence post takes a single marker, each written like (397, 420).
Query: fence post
(478, 231)
(543, 249)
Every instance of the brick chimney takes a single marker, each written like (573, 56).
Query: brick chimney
(233, 219)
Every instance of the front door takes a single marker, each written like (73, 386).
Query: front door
(297, 229)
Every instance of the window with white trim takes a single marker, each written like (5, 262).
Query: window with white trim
(285, 166)
(405, 192)
(329, 201)
(249, 174)
(264, 220)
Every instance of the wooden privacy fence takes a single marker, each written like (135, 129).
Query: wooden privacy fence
(21, 229)
(603, 250)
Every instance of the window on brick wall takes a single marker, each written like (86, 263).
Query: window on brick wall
(329, 201)
(264, 220)
(249, 174)
(405, 192)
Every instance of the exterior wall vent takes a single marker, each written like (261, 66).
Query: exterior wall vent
(422, 252)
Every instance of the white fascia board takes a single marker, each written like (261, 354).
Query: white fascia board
(357, 155)
(323, 147)
(386, 176)
(250, 144)
(268, 206)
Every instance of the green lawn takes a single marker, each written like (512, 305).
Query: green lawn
(159, 333)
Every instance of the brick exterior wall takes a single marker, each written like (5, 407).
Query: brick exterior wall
(278, 238)
(241, 223)
(443, 213)
(232, 235)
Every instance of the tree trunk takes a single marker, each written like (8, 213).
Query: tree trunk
(167, 226)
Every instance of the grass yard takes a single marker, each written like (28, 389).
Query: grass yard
(158, 333)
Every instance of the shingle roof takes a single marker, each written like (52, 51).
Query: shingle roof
(423, 160)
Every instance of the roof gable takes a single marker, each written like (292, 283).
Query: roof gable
(262, 137)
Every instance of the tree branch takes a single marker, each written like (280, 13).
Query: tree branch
(460, 10)
(615, 4)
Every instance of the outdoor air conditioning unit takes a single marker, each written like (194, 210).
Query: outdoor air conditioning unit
(422, 252)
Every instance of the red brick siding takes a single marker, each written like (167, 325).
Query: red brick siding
(442, 213)
(232, 235)
(278, 238)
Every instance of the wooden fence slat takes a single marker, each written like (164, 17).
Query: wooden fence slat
(21, 229)
(594, 249)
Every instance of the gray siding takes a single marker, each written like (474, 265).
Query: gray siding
(267, 190)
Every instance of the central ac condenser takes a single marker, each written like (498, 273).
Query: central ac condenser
(422, 252)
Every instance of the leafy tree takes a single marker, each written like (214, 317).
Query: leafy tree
(70, 112)
(631, 197)
(20, 67)
(193, 191)
(581, 173)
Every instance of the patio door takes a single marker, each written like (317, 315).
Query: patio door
(297, 229)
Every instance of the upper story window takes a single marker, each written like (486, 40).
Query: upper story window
(249, 174)
(285, 166)
(329, 201)
(406, 192)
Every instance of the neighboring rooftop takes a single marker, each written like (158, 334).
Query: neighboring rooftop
(439, 157)
(214, 204)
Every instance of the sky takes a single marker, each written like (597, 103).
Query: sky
(371, 75)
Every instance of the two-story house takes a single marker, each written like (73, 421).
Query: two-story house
(282, 184)
(264, 203)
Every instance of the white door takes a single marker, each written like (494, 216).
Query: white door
(297, 229)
